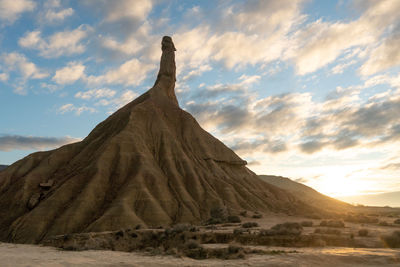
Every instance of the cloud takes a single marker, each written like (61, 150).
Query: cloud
(64, 43)
(391, 166)
(96, 93)
(127, 9)
(128, 47)
(383, 57)
(54, 11)
(320, 43)
(245, 33)
(15, 62)
(132, 72)
(70, 73)
(341, 67)
(4, 77)
(18, 142)
(11, 10)
(77, 110)
(117, 102)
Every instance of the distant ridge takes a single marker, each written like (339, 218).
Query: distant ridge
(391, 199)
(305, 193)
(2, 167)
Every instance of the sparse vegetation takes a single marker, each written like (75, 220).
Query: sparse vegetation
(250, 225)
(307, 223)
(332, 223)
(397, 221)
(327, 231)
(360, 218)
(383, 223)
(363, 232)
(257, 216)
(234, 219)
(239, 231)
(288, 228)
(393, 240)
(192, 244)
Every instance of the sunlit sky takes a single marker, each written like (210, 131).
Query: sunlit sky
(304, 89)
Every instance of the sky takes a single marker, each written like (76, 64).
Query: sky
(304, 89)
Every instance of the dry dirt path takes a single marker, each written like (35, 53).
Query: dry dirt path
(29, 255)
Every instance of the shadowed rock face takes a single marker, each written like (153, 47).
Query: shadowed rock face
(149, 163)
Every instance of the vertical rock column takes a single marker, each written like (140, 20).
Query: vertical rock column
(167, 74)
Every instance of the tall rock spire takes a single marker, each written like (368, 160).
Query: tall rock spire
(167, 74)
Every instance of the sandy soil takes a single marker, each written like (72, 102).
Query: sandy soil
(30, 255)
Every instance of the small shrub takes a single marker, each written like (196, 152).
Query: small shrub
(181, 227)
(214, 221)
(393, 240)
(232, 249)
(120, 233)
(257, 216)
(243, 213)
(383, 223)
(234, 219)
(287, 228)
(332, 223)
(307, 223)
(219, 213)
(250, 225)
(327, 231)
(363, 232)
(139, 226)
(239, 231)
(397, 221)
(192, 244)
(360, 218)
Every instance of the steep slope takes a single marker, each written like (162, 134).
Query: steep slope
(306, 193)
(149, 163)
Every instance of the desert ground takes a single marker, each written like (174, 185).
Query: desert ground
(30, 255)
(86, 249)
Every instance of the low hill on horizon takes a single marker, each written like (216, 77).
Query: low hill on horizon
(2, 167)
(391, 199)
(306, 193)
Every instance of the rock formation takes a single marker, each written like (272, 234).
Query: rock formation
(149, 163)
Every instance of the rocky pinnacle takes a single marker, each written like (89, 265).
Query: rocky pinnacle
(167, 74)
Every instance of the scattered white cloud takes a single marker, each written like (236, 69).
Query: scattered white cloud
(341, 67)
(18, 142)
(54, 11)
(4, 77)
(320, 43)
(117, 102)
(16, 62)
(70, 73)
(127, 9)
(129, 47)
(59, 44)
(96, 93)
(383, 57)
(132, 72)
(10, 10)
(77, 110)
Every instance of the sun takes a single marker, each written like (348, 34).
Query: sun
(341, 181)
